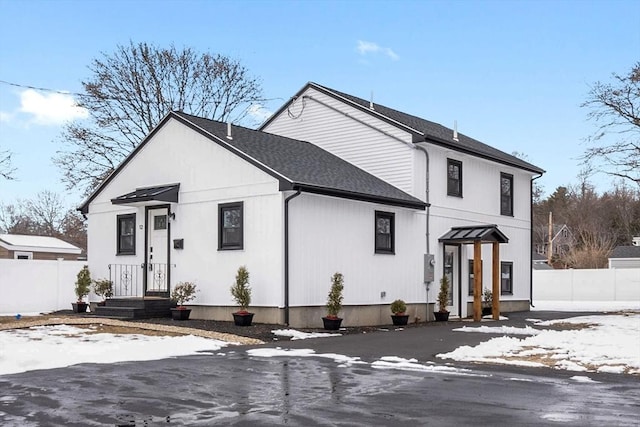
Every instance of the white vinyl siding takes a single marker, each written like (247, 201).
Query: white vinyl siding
(377, 147)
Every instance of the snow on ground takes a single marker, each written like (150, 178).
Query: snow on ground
(601, 343)
(596, 306)
(507, 330)
(299, 335)
(47, 347)
(305, 352)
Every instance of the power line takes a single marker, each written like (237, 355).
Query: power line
(44, 89)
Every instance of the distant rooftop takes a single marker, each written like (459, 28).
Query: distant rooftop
(21, 242)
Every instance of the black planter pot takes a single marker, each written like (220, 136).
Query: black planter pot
(486, 311)
(441, 316)
(332, 323)
(79, 307)
(400, 319)
(242, 319)
(180, 313)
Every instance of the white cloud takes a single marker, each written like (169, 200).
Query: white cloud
(365, 48)
(5, 117)
(259, 113)
(52, 108)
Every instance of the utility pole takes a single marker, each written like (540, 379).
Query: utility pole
(550, 242)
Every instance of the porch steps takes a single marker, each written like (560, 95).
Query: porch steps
(136, 308)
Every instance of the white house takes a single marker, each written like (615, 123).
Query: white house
(626, 256)
(197, 199)
(473, 192)
(391, 201)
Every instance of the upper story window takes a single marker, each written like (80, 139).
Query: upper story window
(230, 226)
(126, 234)
(506, 194)
(506, 278)
(385, 233)
(454, 178)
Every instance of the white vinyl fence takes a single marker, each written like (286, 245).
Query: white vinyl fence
(35, 286)
(601, 285)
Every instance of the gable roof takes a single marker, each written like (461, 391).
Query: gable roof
(626, 252)
(297, 165)
(421, 129)
(21, 242)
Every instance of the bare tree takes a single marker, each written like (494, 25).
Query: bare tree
(6, 167)
(132, 89)
(616, 108)
(44, 215)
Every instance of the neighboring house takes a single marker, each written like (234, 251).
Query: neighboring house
(375, 194)
(466, 184)
(626, 256)
(561, 242)
(18, 246)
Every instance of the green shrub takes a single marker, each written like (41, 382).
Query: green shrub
(183, 292)
(240, 290)
(334, 299)
(398, 307)
(103, 288)
(83, 283)
(443, 295)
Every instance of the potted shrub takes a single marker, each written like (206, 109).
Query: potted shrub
(398, 308)
(82, 288)
(442, 315)
(103, 288)
(241, 292)
(334, 303)
(182, 292)
(487, 301)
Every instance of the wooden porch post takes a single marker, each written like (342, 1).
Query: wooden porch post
(495, 307)
(477, 281)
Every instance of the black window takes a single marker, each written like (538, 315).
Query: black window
(126, 234)
(454, 178)
(471, 276)
(506, 194)
(385, 232)
(230, 226)
(506, 278)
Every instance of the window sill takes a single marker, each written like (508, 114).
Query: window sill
(125, 253)
(231, 248)
(385, 252)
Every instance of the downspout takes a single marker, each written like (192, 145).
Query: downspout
(286, 255)
(426, 155)
(531, 241)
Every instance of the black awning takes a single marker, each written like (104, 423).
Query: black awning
(477, 233)
(164, 193)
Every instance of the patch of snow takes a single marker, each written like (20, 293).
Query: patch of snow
(49, 347)
(598, 306)
(533, 320)
(507, 330)
(299, 335)
(490, 317)
(559, 416)
(610, 345)
(395, 362)
(583, 379)
(303, 352)
(526, 380)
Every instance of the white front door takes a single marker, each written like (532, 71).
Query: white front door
(452, 271)
(157, 250)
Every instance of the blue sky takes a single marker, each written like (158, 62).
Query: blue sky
(511, 73)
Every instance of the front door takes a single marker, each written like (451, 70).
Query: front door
(452, 271)
(157, 265)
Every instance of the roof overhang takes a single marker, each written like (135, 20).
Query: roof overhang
(472, 234)
(162, 193)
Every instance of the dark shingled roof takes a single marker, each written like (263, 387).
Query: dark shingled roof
(424, 130)
(626, 252)
(304, 166)
(297, 165)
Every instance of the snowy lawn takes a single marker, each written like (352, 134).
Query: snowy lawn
(47, 347)
(600, 343)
